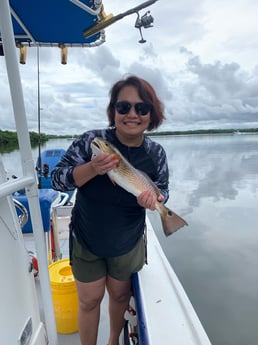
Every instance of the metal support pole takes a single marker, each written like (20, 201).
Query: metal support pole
(27, 163)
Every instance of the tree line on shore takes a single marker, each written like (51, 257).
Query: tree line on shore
(206, 131)
(10, 137)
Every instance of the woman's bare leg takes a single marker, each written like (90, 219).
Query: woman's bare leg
(119, 296)
(90, 297)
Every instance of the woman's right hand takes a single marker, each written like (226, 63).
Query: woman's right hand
(99, 165)
(103, 162)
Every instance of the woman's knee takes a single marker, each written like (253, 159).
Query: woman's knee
(90, 294)
(90, 303)
(119, 292)
(120, 297)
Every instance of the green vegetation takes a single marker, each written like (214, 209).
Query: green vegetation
(7, 137)
(9, 140)
(66, 136)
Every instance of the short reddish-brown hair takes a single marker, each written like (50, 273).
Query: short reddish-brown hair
(146, 93)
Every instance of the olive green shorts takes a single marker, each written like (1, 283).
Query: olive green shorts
(88, 267)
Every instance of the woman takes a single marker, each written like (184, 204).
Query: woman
(107, 224)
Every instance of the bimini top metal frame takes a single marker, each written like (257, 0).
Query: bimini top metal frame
(55, 23)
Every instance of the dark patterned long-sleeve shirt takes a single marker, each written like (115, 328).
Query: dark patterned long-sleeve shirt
(106, 219)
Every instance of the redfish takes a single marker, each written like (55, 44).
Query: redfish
(135, 182)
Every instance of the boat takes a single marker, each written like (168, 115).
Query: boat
(160, 312)
(46, 162)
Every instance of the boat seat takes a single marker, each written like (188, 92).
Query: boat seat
(46, 199)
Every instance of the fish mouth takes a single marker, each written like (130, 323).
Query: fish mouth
(95, 143)
(99, 145)
(95, 146)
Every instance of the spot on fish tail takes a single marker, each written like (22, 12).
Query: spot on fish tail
(170, 213)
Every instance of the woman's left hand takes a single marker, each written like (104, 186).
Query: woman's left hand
(147, 199)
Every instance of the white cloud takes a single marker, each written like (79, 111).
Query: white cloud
(201, 59)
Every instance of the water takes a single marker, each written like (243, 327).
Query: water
(12, 160)
(214, 186)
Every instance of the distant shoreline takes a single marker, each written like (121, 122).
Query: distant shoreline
(188, 132)
(206, 131)
(10, 137)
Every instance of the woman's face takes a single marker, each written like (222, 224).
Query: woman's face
(131, 124)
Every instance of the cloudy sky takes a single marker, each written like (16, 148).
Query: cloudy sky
(201, 57)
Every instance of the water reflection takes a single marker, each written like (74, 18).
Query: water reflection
(214, 186)
(212, 166)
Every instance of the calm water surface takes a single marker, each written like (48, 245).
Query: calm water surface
(214, 186)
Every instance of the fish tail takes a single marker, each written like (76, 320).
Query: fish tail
(171, 222)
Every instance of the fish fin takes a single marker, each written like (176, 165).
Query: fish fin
(117, 157)
(113, 181)
(171, 222)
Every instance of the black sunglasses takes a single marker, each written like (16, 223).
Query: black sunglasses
(141, 108)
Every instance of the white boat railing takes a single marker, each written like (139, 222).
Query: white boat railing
(12, 186)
